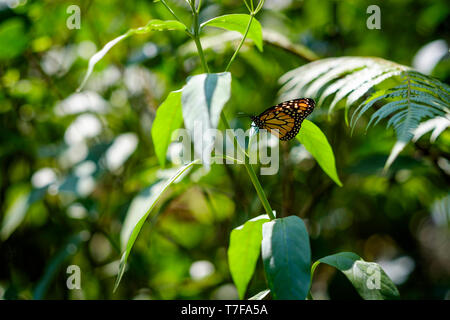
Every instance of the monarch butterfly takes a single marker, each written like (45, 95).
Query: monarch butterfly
(286, 117)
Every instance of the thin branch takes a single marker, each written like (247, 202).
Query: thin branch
(176, 18)
(171, 11)
(241, 43)
(196, 37)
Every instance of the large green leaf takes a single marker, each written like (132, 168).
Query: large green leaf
(368, 278)
(287, 257)
(202, 100)
(152, 25)
(238, 22)
(168, 119)
(138, 213)
(317, 144)
(243, 253)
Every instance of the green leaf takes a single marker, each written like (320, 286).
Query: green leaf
(243, 253)
(238, 22)
(152, 25)
(368, 278)
(137, 214)
(202, 100)
(317, 144)
(138, 208)
(168, 119)
(287, 257)
(436, 126)
(263, 295)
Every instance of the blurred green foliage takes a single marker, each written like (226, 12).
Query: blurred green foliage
(72, 163)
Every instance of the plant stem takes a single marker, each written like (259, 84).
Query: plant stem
(176, 18)
(248, 166)
(171, 11)
(252, 174)
(196, 37)
(200, 53)
(259, 190)
(199, 5)
(241, 43)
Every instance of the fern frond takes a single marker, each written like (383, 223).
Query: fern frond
(341, 76)
(415, 97)
(436, 126)
(407, 105)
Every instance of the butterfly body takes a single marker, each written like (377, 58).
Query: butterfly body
(285, 119)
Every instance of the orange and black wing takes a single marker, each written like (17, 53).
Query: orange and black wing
(285, 119)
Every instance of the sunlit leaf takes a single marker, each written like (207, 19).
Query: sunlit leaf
(368, 278)
(342, 76)
(168, 118)
(138, 213)
(263, 295)
(238, 22)
(317, 144)
(152, 25)
(202, 100)
(243, 252)
(436, 126)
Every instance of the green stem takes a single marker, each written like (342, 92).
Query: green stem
(196, 37)
(246, 4)
(259, 191)
(200, 53)
(252, 174)
(241, 43)
(176, 18)
(199, 5)
(171, 11)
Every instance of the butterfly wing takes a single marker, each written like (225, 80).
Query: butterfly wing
(285, 119)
